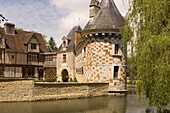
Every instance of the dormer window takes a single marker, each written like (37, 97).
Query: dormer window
(64, 43)
(33, 46)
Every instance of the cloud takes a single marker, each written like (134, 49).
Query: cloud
(33, 15)
(50, 17)
(77, 9)
(77, 14)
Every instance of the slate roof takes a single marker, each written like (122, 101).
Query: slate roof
(19, 41)
(107, 18)
(94, 3)
(79, 47)
(71, 38)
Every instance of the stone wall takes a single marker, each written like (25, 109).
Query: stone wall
(54, 91)
(15, 90)
(27, 90)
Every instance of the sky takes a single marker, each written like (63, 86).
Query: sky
(53, 18)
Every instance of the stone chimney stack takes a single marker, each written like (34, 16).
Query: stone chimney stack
(94, 9)
(9, 28)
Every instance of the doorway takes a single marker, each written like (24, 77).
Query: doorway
(65, 76)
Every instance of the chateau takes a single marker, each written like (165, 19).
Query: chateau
(94, 54)
(91, 54)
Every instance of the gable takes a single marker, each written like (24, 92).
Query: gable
(33, 39)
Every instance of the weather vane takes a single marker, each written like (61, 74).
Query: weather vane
(2, 18)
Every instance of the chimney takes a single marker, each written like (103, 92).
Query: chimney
(77, 38)
(9, 28)
(94, 9)
(77, 34)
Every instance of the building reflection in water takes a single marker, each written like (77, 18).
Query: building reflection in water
(108, 104)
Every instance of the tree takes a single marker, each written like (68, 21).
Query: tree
(149, 21)
(45, 39)
(2, 18)
(52, 45)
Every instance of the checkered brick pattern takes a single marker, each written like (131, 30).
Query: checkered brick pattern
(99, 60)
(50, 73)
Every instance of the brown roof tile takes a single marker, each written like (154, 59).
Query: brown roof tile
(17, 42)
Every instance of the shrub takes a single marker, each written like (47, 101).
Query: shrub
(71, 80)
(37, 80)
(50, 80)
(75, 79)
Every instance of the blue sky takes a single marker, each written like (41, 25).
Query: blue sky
(53, 18)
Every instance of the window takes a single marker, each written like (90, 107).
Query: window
(1, 70)
(64, 43)
(0, 40)
(116, 70)
(64, 58)
(33, 46)
(84, 49)
(116, 48)
(49, 58)
(0, 55)
(12, 56)
(32, 57)
(41, 58)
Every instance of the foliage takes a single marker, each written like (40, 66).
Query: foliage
(33, 31)
(71, 80)
(20, 29)
(50, 80)
(75, 79)
(37, 80)
(2, 18)
(45, 38)
(131, 82)
(147, 29)
(52, 45)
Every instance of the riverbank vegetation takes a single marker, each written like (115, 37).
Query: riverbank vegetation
(147, 31)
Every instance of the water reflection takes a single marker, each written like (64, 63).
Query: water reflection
(108, 104)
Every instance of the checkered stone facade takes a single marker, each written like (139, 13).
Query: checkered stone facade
(99, 59)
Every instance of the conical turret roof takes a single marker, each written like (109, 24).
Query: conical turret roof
(94, 3)
(107, 18)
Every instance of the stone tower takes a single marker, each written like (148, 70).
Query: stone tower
(104, 60)
(94, 9)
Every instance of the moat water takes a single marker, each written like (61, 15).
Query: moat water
(107, 104)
